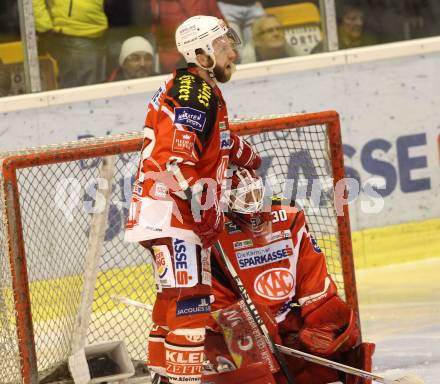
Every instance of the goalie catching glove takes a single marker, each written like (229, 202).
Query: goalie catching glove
(242, 154)
(330, 328)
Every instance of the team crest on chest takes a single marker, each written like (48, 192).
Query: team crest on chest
(275, 284)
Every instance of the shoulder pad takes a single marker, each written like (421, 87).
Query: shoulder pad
(192, 91)
(194, 104)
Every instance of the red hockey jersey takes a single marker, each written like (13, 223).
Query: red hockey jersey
(289, 268)
(186, 122)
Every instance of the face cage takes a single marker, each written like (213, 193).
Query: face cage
(240, 196)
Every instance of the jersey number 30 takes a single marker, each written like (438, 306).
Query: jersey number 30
(280, 215)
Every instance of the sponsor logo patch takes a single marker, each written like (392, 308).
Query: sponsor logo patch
(204, 94)
(161, 266)
(184, 142)
(195, 338)
(155, 101)
(274, 284)
(164, 266)
(243, 244)
(185, 86)
(183, 362)
(232, 228)
(190, 117)
(286, 307)
(160, 190)
(284, 234)
(225, 140)
(185, 263)
(193, 306)
(264, 255)
(137, 188)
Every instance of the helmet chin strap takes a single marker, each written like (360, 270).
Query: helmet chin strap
(210, 69)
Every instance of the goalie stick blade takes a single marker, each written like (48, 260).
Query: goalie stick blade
(408, 379)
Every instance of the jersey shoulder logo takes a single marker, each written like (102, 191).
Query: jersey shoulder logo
(190, 117)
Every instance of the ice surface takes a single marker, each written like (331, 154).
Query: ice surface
(400, 312)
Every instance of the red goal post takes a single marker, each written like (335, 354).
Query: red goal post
(61, 236)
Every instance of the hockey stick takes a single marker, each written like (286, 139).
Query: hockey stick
(134, 303)
(255, 315)
(409, 379)
(239, 285)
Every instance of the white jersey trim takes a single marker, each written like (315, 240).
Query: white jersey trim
(313, 297)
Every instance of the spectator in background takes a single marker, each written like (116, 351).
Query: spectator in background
(240, 15)
(351, 27)
(73, 32)
(125, 19)
(167, 15)
(268, 41)
(136, 60)
(5, 80)
(9, 23)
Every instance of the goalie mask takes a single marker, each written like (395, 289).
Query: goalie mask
(197, 35)
(245, 202)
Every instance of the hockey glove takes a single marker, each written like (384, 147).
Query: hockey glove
(330, 328)
(242, 153)
(210, 225)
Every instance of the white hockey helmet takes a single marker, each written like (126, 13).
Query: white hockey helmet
(199, 32)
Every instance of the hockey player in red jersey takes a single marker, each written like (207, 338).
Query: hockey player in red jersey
(285, 274)
(186, 126)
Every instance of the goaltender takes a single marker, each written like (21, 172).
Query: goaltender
(285, 274)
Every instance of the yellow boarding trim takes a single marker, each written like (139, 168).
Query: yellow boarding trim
(134, 282)
(371, 247)
(396, 243)
(11, 52)
(296, 14)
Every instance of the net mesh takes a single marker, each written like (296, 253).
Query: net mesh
(297, 167)
(57, 204)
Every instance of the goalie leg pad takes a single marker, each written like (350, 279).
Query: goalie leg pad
(184, 354)
(360, 357)
(330, 328)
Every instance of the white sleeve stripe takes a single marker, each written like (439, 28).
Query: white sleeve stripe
(172, 116)
(304, 299)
